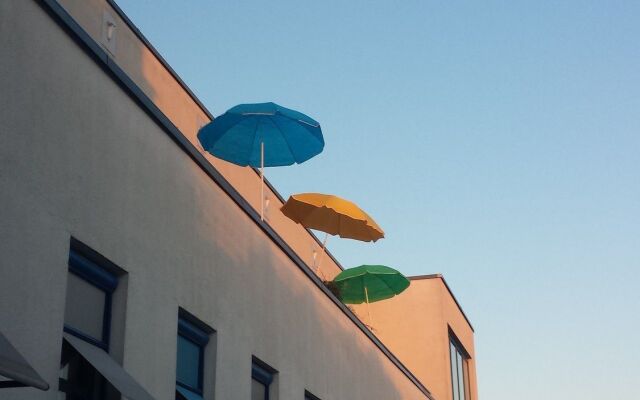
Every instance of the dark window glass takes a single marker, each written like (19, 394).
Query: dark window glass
(461, 375)
(454, 372)
(190, 360)
(458, 371)
(188, 366)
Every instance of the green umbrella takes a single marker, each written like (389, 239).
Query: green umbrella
(369, 283)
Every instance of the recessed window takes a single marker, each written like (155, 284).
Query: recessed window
(192, 340)
(459, 370)
(88, 304)
(87, 370)
(87, 317)
(261, 378)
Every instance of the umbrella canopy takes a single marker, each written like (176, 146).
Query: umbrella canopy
(239, 135)
(333, 215)
(262, 135)
(369, 283)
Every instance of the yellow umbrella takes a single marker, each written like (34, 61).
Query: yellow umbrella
(332, 215)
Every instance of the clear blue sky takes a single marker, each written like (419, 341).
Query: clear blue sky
(497, 143)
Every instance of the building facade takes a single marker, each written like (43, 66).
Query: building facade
(133, 263)
(426, 328)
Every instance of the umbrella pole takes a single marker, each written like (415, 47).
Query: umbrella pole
(324, 245)
(366, 296)
(261, 181)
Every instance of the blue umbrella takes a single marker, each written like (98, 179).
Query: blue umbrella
(262, 135)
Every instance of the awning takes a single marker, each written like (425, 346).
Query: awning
(109, 369)
(16, 368)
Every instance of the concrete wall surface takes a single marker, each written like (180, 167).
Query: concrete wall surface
(416, 326)
(79, 157)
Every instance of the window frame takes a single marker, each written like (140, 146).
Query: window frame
(84, 266)
(95, 270)
(264, 374)
(199, 334)
(199, 338)
(463, 368)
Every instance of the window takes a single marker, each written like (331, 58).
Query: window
(261, 379)
(88, 317)
(87, 312)
(87, 370)
(458, 369)
(192, 340)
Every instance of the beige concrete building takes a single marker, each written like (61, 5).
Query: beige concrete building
(426, 328)
(133, 263)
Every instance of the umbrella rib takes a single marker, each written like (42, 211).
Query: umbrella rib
(293, 213)
(253, 144)
(312, 213)
(222, 134)
(338, 215)
(304, 220)
(391, 290)
(285, 139)
(356, 221)
(305, 122)
(313, 133)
